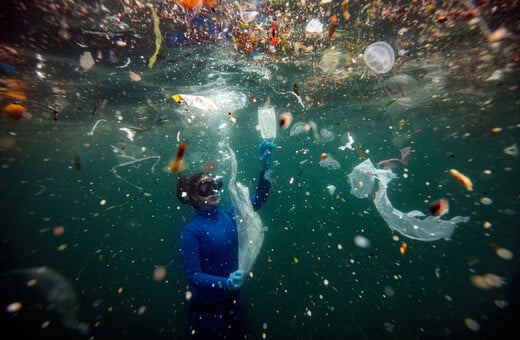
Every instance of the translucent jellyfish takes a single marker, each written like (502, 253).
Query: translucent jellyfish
(329, 163)
(402, 84)
(330, 61)
(46, 289)
(326, 136)
(379, 56)
(297, 128)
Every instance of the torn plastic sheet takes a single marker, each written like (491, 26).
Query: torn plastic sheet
(410, 224)
(249, 225)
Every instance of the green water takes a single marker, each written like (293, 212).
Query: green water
(310, 281)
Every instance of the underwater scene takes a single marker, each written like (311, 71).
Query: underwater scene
(394, 190)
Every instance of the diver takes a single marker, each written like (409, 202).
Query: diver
(209, 251)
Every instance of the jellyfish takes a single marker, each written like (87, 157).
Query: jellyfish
(326, 136)
(297, 128)
(44, 286)
(402, 84)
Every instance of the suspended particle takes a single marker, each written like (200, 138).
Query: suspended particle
(13, 307)
(361, 241)
(504, 253)
(486, 201)
(159, 273)
(472, 324)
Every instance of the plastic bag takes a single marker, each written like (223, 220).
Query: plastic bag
(411, 224)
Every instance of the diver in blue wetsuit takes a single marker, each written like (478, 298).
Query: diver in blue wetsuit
(209, 250)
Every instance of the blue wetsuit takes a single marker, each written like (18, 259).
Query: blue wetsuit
(209, 250)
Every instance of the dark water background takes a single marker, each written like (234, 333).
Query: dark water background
(310, 279)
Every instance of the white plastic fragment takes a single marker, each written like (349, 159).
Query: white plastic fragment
(349, 144)
(130, 134)
(314, 26)
(511, 150)
(199, 102)
(497, 76)
(86, 61)
(411, 224)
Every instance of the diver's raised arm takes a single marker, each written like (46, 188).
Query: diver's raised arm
(265, 152)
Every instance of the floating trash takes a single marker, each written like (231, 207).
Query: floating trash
(134, 76)
(286, 119)
(462, 179)
(511, 150)
(329, 163)
(331, 188)
(314, 26)
(411, 224)
(440, 207)
(86, 61)
(199, 102)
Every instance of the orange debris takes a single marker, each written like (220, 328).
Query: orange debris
(16, 111)
(16, 95)
(462, 179)
(403, 248)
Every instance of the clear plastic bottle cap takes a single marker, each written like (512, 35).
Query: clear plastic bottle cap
(379, 56)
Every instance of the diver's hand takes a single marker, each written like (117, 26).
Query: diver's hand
(265, 152)
(234, 282)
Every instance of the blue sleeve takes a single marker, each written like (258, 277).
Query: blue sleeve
(262, 191)
(190, 253)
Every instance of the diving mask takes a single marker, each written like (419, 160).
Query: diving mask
(208, 187)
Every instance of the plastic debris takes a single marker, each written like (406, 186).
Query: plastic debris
(331, 189)
(86, 61)
(329, 163)
(362, 180)
(199, 102)
(134, 76)
(267, 122)
(314, 27)
(511, 150)
(462, 179)
(158, 36)
(130, 134)
(393, 162)
(349, 143)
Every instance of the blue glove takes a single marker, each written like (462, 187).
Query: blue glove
(234, 282)
(265, 151)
